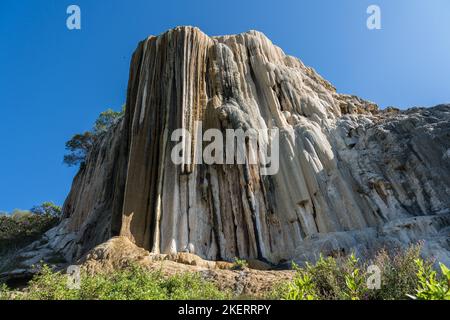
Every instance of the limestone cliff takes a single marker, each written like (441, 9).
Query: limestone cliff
(351, 177)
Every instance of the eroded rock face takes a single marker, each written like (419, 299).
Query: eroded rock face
(350, 176)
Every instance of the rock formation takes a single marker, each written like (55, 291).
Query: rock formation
(351, 176)
(120, 252)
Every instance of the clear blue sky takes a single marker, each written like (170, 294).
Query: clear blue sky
(54, 82)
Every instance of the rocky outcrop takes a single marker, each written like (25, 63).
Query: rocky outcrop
(351, 176)
(119, 253)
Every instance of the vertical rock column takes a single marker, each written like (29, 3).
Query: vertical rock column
(170, 94)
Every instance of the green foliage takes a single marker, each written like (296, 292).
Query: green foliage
(398, 273)
(80, 144)
(355, 285)
(431, 285)
(18, 214)
(5, 293)
(190, 286)
(329, 279)
(20, 229)
(47, 208)
(106, 119)
(302, 287)
(239, 264)
(17, 226)
(78, 147)
(133, 283)
(341, 278)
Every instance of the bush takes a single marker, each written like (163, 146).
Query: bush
(398, 273)
(239, 264)
(133, 283)
(302, 287)
(431, 285)
(328, 279)
(47, 208)
(20, 229)
(18, 214)
(402, 273)
(106, 120)
(5, 294)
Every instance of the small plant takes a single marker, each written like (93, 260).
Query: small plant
(240, 264)
(355, 279)
(355, 285)
(431, 285)
(302, 287)
(106, 120)
(5, 294)
(398, 273)
(345, 278)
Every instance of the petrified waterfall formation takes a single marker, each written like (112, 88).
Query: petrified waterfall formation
(350, 176)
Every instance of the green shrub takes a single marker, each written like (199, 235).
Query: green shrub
(328, 279)
(21, 228)
(106, 120)
(431, 285)
(18, 214)
(190, 286)
(302, 287)
(5, 293)
(47, 208)
(401, 272)
(239, 264)
(133, 283)
(398, 273)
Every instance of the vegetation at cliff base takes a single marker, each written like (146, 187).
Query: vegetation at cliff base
(404, 275)
(431, 285)
(239, 264)
(133, 283)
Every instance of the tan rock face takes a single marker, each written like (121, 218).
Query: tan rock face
(347, 170)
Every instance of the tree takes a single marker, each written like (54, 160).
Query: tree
(78, 147)
(47, 208)
(81, 144)
(106, 119)
(18, 214)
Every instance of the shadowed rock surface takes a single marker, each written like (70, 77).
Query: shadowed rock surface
(351, 176)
